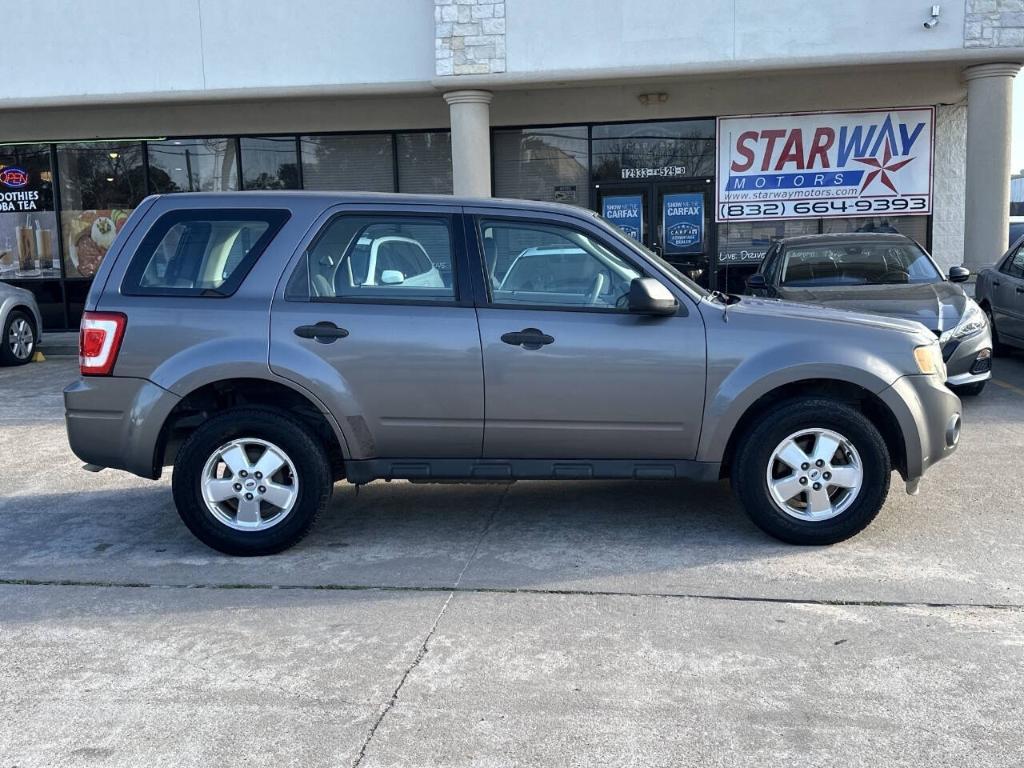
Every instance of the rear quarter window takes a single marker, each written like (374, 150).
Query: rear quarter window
(200, 252)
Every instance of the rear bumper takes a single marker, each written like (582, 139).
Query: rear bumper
(929, 416)
(116, 422)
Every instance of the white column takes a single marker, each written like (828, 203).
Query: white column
(471, 142)
(989, 104)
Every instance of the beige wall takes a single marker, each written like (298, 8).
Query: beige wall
(686, 97)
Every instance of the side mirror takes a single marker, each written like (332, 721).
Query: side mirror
(391, 277)
(756, 282)
(959, 274)
(647, 296)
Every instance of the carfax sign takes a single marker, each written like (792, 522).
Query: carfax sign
(825, 164)
(624, 211)
(683, 223)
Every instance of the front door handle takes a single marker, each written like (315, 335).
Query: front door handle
(528, 338)
(1019, 289)
(324, 332)
(996, 283)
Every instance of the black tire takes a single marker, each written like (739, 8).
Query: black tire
(312, 468)
(7, 355)
(749, 474)
(998, 348)
(970, 390)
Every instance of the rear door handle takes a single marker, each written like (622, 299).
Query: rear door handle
(996, 283)
(528, 338)
(325, 332)
(1019, 289)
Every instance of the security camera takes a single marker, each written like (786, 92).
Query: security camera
(933, 22)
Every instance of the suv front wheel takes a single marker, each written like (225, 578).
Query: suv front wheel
(251, 481)
(812, 472)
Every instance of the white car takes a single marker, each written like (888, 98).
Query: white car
(21, 324)
(395, 260)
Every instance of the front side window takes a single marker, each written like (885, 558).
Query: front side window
(853, 263)
(1014, 265)
(552, 265)
(200, 253)
(379, 257)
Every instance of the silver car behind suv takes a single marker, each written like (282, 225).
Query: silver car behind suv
(271, 344)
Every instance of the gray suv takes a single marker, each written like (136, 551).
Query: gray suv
(269, 345)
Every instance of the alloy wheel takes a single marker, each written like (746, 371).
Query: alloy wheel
(815, 475)
(21, 339)
(249, 484)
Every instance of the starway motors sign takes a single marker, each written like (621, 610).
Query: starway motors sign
(825, 165)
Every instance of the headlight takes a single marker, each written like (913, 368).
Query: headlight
(929, 359)
(972, 322)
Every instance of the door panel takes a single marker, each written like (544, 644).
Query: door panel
(569, 372)
(1008, 297)
(406, 381)
(399, 364)
(608, 386)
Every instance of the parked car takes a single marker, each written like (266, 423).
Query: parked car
(888, 274)
(226, 334)
(1000, 292)
(21, 324)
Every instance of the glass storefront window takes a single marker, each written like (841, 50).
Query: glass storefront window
(100, 185)
(425, 163)
(649, 151)
(192, 165)
(743, 244)
(28, 225)
(542, 164)
(362, 163)
(915, 227)
(269, 163)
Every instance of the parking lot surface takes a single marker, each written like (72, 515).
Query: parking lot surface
(568, 624)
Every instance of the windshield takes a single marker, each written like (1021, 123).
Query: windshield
(857, 264)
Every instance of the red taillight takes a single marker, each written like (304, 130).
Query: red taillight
(99, 341)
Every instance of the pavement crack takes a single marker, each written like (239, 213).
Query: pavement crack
(425, 645)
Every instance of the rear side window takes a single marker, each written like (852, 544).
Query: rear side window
(201, 252)
(378, 258)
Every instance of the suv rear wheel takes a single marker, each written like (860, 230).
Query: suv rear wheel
(812, 472)
(251, 481)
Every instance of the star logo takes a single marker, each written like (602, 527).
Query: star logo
(882, 168)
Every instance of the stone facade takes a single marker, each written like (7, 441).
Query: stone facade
(950, 183)
(469, 37)
(994, 24)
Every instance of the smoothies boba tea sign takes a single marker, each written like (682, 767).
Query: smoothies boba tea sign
(16, 193)
(825, 164)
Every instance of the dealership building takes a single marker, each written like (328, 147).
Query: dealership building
(705, 129)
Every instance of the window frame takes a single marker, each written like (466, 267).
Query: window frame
(1006, 267)
(484, 298)
(461, 291)
(131, 282)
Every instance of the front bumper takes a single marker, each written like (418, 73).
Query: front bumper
(116, 422)
(969, 360)
(929, 417)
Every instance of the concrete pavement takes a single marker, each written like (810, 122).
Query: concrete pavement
(564, 624)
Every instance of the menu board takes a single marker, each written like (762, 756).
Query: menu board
(88, 236)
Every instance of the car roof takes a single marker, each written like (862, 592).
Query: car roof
(285, 197)
(834, 238)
